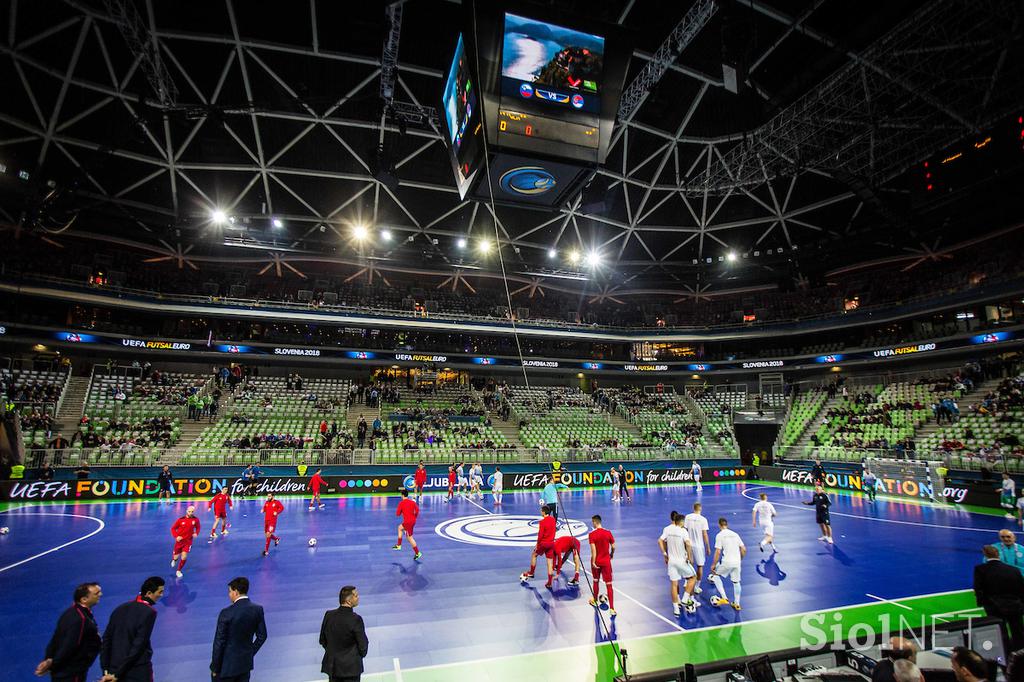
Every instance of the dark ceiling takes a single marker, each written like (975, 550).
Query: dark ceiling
(278, 115)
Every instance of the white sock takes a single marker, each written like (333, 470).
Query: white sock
(717, 582)
(736, 591)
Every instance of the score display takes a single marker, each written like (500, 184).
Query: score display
(516, 123)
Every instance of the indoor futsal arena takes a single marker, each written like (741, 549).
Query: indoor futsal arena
(512, 341)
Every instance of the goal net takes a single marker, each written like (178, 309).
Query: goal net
(911, 477)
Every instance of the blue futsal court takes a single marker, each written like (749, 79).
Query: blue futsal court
(463, 602)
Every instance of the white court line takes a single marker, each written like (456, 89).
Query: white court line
(888, 601)
(398, 670)
(651, 611)
(478, 506)
(66, 544)
(865, 518)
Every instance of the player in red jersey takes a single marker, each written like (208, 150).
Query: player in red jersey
(220, 503)
(602, 549)
(184, 531)
(315, 484)
(271, 509)
(545, 546)
(451, 484)
(420, 478)
(566, 545)
(408, 510)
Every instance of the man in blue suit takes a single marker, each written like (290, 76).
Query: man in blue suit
(241, 631)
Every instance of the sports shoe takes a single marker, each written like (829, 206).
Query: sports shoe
(697, 589)
(691, 608)
(209, 540)
(277, 541)
(574, 582)
(311, 509)
(322, 505)
(736, 606)
(612, 613)
(177, 573)
(548, 585)
(174, 562)
(761, 546)
(593, 602)
(417, 556)
(223, 533)
(675, 609)
(775, 549)
(265, 552)
(396, 547)
(823, 538)
(830, 541)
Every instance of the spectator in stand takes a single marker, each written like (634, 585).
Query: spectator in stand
(83, 471)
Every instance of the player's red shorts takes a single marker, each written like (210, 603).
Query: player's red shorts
(183, 546)
(600, 572)
(268, 526)
(408, 527)
(546, 549)
(223, 516)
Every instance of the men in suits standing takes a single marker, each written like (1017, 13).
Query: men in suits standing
(999, 590)
(343, 637)
(76, 640)
(127, 654)
(241, 631)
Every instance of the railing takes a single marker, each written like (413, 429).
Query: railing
(954, 459)
(149, 456)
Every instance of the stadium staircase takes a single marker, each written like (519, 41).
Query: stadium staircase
(509, 429)
(620, 423)
(72, 405)
(190, 432)
(804, 442)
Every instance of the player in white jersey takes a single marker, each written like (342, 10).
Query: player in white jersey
(695, 470)
(476, 481)
(764, 515)
(675, 547)
(696, 526)
(496, 486)
(1008, 496)
(463, 482)
(729, 551)
(615, 484)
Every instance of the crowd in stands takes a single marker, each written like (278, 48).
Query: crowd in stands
(124, 435)
(37, 420)
(20, 389)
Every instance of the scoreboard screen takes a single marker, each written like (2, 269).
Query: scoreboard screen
(461, 106)
(517, 123)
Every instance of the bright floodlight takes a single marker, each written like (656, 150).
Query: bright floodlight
(360, 232)
(461, 242)
(278, 223)
(731, 256)
(385, 235)
(484, 246)
(574, 257)
(218, 216)
(552, 253)
(593, 259)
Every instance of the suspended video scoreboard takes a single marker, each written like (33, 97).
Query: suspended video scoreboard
(542, 89)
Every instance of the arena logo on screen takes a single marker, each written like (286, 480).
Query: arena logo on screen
(314, 352)
(904, 350)
(758, 364)
(505, 530)
(421, 358)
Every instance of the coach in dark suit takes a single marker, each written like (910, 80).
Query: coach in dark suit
(999, 590)
(343, 637)
(241, 631)
(127, 654)
(76, 640)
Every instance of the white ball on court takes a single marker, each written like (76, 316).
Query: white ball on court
(312, 542)
(5, 530)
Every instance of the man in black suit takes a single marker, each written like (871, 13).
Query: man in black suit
(999, 590)
(241, 631)
(127, 654)
(343, 637)
(76, 640)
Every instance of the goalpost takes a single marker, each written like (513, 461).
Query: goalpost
(919, 474)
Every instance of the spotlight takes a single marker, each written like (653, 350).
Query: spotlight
(574, 257)
(593, 259)
(731, 256)
(461, 242)
(278, 223)
(360, 232)
(552, 254)
(218, 216)
(484, 246)
(385, 235)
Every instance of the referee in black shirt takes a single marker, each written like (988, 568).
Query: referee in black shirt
(818, 473)
(821, 504)
(75, 643)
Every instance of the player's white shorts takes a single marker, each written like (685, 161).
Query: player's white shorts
(496, 490)
(680, 570)
(477, 481)
(463, 481)
(768, 528)
(731, 572)
(698, 556)
(696, 478)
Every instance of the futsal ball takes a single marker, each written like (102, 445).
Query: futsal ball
(312, 542)
(603, 599)
(524, 578)
(5, 530)
(716, 601)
